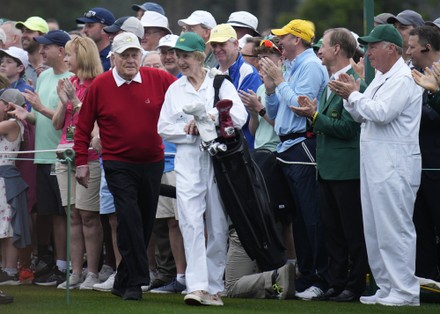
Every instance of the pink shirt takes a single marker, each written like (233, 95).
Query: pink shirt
(71, 118)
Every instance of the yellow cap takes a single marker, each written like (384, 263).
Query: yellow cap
(222, 33)
(34, 23)
(299, 28)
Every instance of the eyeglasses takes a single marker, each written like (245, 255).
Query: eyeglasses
(95, 15)
(269, 44)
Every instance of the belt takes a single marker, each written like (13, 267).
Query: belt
(293, 136)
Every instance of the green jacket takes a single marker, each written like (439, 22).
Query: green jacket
(337, 148)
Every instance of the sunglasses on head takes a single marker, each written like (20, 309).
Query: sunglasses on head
(269, 44)
(91, 14)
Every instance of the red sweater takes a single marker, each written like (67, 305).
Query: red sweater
(127, 117)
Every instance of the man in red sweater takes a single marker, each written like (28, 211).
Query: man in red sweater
(126, 102)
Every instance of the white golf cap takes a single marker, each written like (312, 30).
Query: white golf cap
(199, 17)
(244, 19)
(125, 41)
(154, 19)
(168, 41)
(16, 53)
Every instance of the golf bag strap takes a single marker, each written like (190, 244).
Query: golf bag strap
(218, 81)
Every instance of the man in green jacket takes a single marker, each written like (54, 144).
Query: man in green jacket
(338, 168)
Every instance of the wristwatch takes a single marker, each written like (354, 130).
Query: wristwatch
(262, 112)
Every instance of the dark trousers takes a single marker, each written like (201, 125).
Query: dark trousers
(427, 222)
(342, 218)
(135, 188)
(307, 226)
(166, 266)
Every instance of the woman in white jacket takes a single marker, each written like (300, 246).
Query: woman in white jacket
(198, 199)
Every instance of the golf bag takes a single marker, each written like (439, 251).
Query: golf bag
(244, 193)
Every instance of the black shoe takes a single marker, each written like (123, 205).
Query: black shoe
(7, 280)
(346, 296)
(157, 283)
(117, 292)
(54, 278)
(132, 293)
(5, 299)
(332, 292)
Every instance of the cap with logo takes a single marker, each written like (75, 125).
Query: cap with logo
(128, 24)
(149, 6)
(190, 42)
(222, 33)
(16, 53)
(407, 17)
(12, 95)
(383, 32)
(382, 18)
(97, 15)
(244, 19)
(56, 37)
(300, 28)
(199, 17)
(34, 23)
(124, 41)
(168, 41)
(154, 19)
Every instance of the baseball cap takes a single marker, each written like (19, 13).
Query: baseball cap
(56, 37)
(12, 95)
(382, 18)
(199, 17)
(149, 6)
(97, 15)
(318, 44)
(436, 22)
(407, 17)
(17, 53)
(34, 23)
(190, 42)
(383, 32)
(168, 41)
(128, 24)
(154, 19)
(124, 41)
(300, 28)
(222, 33)
(244, 19)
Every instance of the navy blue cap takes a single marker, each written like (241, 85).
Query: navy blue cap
(56, 37)
(149, 6)
(97, 15)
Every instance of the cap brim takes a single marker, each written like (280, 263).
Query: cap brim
(429, 23)
(83, 20)
(242, 25)
(188, 22)
(43, 40)
(279, 32)
(112, 29)
(137, 7)
(368, 39)
(20, 25)
(122, 49)
(219, 40)
(399, 19)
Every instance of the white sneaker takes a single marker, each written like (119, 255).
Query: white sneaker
(105, 273)
(91, 279)
(75, 281)
(372, 299)
(309, 293)
(106, 285)
(198, 297)
(396, 301)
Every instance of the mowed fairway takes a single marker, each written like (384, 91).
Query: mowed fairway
(31, 299)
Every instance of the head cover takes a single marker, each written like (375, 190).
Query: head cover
(190, 42)
(168, 41)
(382, 18)
(16, 53)
(199, 17)
(125, 41)
(149, 6)
(300, 28)
(436, 22)
(97, 15)
(57, 37)
(127, 24)
(12, 95)
(34, 23)
(222, 33)
(244, 19)
(407, 17)
(384, 32)
(154, 19)
(318, 44)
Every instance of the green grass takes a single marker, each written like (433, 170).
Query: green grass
(34, 299)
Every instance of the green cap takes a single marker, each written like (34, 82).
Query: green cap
(384, 32)
(319, 43)
(190, 41)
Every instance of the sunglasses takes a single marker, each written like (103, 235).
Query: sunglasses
(269, 44)
(91, 14)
